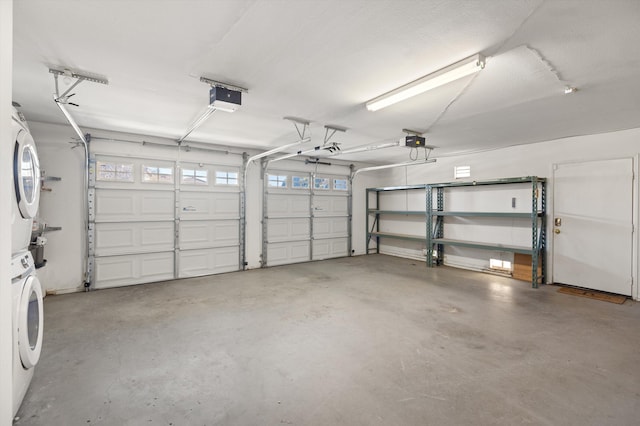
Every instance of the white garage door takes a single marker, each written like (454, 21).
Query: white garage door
(156, 221)
(305, 217)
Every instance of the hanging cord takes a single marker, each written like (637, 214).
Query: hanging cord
(413, 154)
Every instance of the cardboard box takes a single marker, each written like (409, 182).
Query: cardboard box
(522, 267)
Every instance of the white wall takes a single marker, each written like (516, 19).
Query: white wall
(64, 205)
(6, 345)
(529, 160)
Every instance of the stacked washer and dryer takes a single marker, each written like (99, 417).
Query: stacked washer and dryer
(26, 289)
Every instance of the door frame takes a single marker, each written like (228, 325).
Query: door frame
(635, 262)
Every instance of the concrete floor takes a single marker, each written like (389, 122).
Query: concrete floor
(357, 341)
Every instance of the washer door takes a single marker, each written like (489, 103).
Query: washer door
(30, 322)
(26, 175)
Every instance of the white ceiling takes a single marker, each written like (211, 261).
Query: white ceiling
(322, 60)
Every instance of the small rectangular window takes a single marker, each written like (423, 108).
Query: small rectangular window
(340, 185)
(460, 172)
(300, 182)
(114, 172)
(195, 177)
(321, 183)
(226, 178)
(154, 174)
(277, 181)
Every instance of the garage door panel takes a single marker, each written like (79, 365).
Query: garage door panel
(330, 206)
(209, 205)
(286, 205)
(114, 205)
(287, 229)
(115, 271)
(204, 234)
(284, 253)
(194, 263)
(326, 249)
(133, 237)
(330, 227)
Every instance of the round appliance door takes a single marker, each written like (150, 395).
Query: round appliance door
(26, 175)
(30, 322)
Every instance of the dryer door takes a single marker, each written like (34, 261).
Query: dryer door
(26, 175)
(30, 322)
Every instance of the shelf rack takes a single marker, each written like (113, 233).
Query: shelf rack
(373, 229)
(435, 240)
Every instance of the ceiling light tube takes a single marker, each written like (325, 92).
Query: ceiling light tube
(439, 78)
(389, 166)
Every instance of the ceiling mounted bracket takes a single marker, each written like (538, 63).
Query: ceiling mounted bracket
(333, 129)
(214, 83)
(80, 77)
(412, 132)
(299, 123)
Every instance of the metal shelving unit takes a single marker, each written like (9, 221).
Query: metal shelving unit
(435, 223)
(373, 228)
(435, 218)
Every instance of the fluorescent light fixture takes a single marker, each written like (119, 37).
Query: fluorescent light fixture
(439, 78)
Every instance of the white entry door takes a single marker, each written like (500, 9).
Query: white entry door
(593, 225)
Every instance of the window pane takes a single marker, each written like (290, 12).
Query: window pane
(125, 168)
(226, 178)
(114, 172)
(106, 167)
(300, 182)
(277, 181)
(321, 183)
(340, 184)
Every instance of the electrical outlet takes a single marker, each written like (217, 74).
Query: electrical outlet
(424, 251)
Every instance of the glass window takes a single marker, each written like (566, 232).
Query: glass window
(340, 184)
(114, 172)
(299, 182)
(155, 174)
(226, 178)
(33, 319)
(278, 181)
(27, 173)
(321, 183)
(195, 177)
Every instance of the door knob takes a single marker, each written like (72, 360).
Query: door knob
(557, 231)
